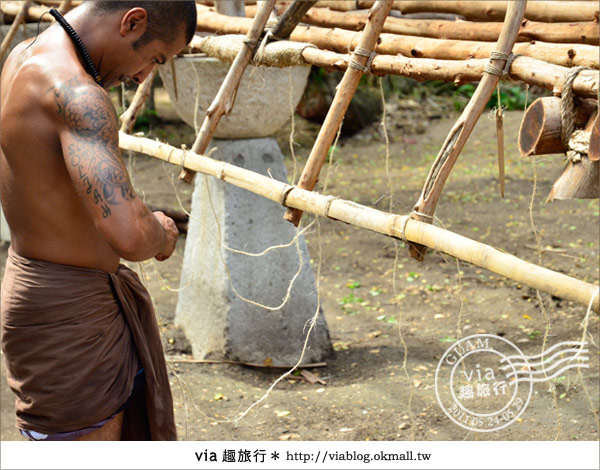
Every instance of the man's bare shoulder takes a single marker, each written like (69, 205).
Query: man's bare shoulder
(53, 82)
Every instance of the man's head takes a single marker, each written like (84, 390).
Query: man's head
(149, 33)
(164, 18)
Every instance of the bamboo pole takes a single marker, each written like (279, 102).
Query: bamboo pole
(341, 101)
(461, 130)
(129, 117)
(526, 69)
(576, 33)
(20, 17)
(223, 102)
(539, 133)
(543, 10)
(340, 40)
(392, 225)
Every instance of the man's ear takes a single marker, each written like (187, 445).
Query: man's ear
(134, 21)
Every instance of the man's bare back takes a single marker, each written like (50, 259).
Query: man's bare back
(65, 191)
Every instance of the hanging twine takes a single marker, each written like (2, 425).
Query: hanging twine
(576, 143)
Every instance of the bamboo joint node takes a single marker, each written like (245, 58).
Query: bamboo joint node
(287, 188)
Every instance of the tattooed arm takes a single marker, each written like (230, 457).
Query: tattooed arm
(89, 138)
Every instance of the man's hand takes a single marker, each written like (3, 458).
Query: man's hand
(171, 233)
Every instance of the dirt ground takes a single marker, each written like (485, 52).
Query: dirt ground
(368, 394)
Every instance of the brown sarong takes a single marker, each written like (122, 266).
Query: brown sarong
(71, 338)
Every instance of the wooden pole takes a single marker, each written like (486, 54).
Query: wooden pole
(575, 33)
(21, 15)
(291, 17)
(129, 117)
(392, 225)
(65, 6)
(594, 153)
(526, 69)
(223, 102)
(543, 10)
(539, 133)
(340, 40)
(461, 131)
(341, 101)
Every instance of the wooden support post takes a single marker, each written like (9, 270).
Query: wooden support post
(540, 128)
(581, 179)
(21, 15)
(594, 153)
(341, 101)
(461, 131)
(392, 225)
(291, 17)
(129, 117)
(223, 102)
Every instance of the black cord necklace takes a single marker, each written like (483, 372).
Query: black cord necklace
(89, 65)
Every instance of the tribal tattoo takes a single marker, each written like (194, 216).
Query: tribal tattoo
(94, 150)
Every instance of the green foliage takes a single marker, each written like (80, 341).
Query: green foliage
(512, 97)
(145, 120)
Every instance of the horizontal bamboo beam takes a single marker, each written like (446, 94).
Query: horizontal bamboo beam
(572, 32)
(392, 225)
(527, 69)
(542, 10)
(340, 40)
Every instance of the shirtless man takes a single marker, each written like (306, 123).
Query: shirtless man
(66, 194)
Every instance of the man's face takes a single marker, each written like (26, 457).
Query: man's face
(136, 64)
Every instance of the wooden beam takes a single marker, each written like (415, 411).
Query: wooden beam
(543, 10)
(526, 69)
(392, 225)
(572, 32)
(340, 40)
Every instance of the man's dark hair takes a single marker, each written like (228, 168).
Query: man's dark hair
(165, 18)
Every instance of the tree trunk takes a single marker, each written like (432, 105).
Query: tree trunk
(579, 180)
(541, 125)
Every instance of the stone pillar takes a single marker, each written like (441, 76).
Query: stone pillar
(216, 321)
